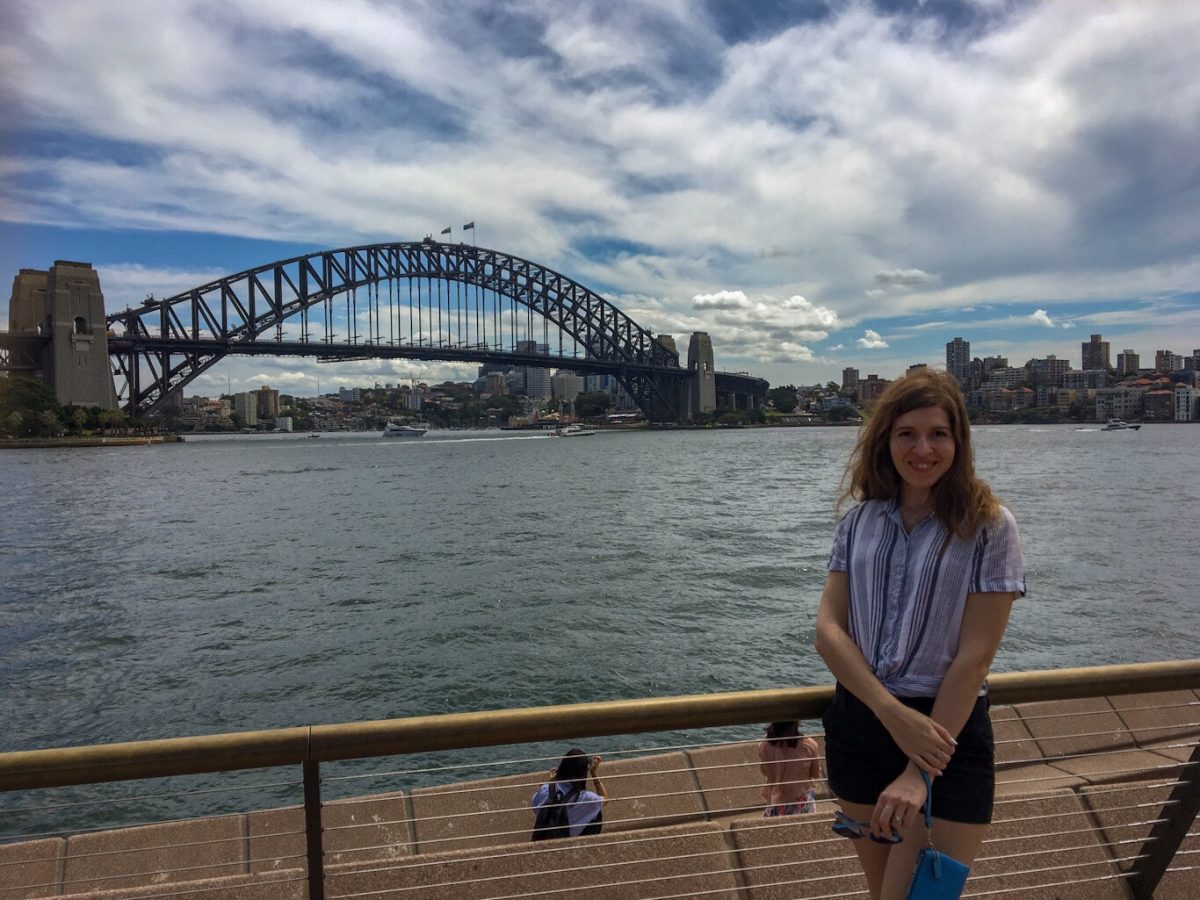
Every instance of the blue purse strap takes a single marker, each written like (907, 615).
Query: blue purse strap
(936, 858)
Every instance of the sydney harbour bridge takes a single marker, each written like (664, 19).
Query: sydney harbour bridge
(422, 300)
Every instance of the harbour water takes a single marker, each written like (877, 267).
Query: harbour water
(234, 583)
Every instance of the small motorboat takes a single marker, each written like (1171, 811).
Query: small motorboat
(1115, 424)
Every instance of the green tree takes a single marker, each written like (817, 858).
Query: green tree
(27, 396)
(112, 419)
(78, 419)
(48, 423)
(783, 398)
(14, 423)
(592, 405)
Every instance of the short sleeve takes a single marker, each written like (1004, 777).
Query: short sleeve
(998, 564)
(540, 796)
(837, 556)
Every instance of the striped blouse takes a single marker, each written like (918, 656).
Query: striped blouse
(907, 593)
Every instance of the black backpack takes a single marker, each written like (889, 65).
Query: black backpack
(551, 819)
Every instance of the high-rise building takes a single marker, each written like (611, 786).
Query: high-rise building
(268, 403)
(245, 406)
(849, 379)
(566, 385)
(1164, 361)
(1095, 354)
(1128, 362)
(1047, 372)
(958, 360)
(535, 381)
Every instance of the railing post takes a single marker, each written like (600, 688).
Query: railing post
(312, 830)
(1160, 847)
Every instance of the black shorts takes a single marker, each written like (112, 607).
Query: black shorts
(862, 759)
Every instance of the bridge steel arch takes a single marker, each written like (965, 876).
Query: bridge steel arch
(164, 344)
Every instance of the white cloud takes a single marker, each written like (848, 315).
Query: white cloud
(1049, 166)
(871, 340)
(1041, 317)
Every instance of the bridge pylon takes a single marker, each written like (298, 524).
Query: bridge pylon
(65, 308)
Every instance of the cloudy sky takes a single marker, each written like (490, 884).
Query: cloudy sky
(816, 184)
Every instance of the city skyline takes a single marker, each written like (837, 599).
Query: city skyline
(817, 186)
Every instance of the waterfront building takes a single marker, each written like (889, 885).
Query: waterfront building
(1006, 399)
(412, 399)
(1047, 372)
(1088, 379)
(495, 383)
(600, 384)
(283, 423)
(349, 395)
(245, 407)
(850, 379)
(566, 386)
(870, 389)
(514, 381)
(1128, 362)
(535, 380)
(1095, 354)
(1186, 402)
(268, 403)
(1120, 402)
(1159, 405)
(1167, 361)
(1005, 377)
(958, 361)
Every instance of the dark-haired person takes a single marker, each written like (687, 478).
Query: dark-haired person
(791, 763)
(585, 811)
(922, 577)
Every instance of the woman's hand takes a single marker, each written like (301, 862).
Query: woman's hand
(925, 742)
(899, 803)
(595, 765)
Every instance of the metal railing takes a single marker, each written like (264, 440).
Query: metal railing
(311, 746)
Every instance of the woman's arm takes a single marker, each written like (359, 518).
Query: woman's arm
(924, 740)
(983, 624)
(595, 773)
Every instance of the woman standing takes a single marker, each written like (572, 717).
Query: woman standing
(923, 574)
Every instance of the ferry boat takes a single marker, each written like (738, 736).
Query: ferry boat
(402, 431)
(1115, 424)
(574, 430)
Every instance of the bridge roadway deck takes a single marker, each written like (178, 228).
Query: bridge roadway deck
(1081, 783)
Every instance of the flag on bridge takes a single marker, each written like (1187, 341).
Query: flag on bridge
(470, 226)
(446, 230)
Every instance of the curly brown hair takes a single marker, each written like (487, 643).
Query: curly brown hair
(961, 500)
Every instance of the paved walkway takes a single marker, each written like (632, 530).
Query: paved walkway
(1081, 784)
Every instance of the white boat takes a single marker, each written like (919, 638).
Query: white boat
(574, 430)
(1115, 424)
(402, 431)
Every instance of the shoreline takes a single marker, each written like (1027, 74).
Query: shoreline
(51, 443)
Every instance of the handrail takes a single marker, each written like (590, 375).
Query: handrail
(387, 737)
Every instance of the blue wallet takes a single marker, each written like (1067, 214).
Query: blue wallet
(937, 876)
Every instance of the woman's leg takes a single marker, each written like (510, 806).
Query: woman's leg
(956, 839)
(872, 856)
